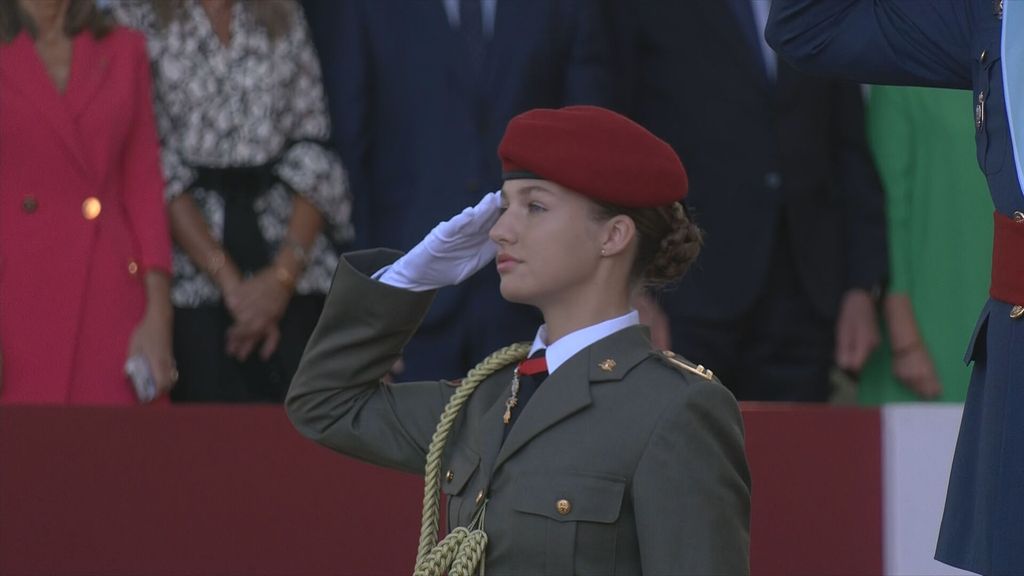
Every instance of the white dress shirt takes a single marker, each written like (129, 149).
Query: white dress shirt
(489, 8)
(567, 346)
(761, 9)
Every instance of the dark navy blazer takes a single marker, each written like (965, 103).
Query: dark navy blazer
(955, 44)
(755, 148)
(419, 129)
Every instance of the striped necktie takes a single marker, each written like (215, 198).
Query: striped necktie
(471, 24)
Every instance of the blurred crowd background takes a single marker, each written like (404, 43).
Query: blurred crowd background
(178, 179)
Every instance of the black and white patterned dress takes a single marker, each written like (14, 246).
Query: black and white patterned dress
(249, 103)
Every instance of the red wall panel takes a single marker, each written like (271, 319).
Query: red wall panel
(236, 491)
(206, 490)
(817, 497)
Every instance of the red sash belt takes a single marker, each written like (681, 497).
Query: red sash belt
(1008, 260)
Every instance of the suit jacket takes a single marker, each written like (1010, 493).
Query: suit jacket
(418, 128)
(955, 45)
(756, 151)
(649, 456)
(82, 218)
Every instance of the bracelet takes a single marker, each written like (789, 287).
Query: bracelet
(907, 349)
(215, 262)
(286, 278)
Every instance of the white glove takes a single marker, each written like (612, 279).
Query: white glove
(453, 251)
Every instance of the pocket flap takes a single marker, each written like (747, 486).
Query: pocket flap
(573, 497)
(460, 469)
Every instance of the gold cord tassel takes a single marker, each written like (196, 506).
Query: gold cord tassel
(461, 551)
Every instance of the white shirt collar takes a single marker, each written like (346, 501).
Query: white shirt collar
(567, 346)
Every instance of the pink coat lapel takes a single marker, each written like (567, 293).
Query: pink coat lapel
(89, 68)
(24, 72)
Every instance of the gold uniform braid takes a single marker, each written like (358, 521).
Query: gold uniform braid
(461, 551)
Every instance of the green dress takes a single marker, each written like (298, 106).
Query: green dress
(940, 228)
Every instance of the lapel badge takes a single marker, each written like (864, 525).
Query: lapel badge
(606, 365)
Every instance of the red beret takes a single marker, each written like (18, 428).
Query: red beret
(595, 152)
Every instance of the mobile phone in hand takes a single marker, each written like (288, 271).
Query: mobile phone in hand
(139, 372)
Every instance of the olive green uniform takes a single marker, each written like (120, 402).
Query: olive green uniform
(633, 466)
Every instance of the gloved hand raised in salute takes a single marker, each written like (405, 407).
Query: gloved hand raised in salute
(452, 252)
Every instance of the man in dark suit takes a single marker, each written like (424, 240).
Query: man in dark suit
(421, 93)
(974, 45)
(783, 185)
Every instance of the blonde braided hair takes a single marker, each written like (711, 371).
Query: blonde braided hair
(461, 551)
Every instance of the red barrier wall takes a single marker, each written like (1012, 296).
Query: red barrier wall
(236, 491)
(817, 499)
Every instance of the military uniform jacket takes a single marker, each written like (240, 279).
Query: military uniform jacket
(639, 469)
(953, 44)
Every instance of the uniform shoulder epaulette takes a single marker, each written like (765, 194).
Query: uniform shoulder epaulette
(678, 362)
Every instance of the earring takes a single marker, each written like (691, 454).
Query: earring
(603, 252)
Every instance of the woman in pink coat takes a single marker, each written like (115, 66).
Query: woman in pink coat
(84, 245)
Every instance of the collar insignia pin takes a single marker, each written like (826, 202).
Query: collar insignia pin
(607, 365)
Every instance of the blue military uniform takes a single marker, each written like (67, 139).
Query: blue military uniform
(956, 44)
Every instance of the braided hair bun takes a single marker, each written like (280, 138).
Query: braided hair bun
(677, 250)
(668, 241)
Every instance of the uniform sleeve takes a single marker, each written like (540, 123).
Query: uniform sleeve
(308, 166)
(860, 191)
(877, 41)
(142, 181)
(892, 139)
(691, 490)
(337, 397)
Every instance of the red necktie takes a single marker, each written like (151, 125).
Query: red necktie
(532, 373)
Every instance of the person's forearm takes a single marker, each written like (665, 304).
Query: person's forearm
(303, 228)
(899, 316)
(336, 397)
(860, 193)
(191, 232)
(158, 294)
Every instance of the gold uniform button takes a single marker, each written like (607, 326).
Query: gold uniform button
(563, 506)
(479, 497)
(133, 267)
(91, 208)
(1017, 311)
(449, 476)
(1018, 217)
(29, 204)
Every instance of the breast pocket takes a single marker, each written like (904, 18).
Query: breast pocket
(455, 479)
(582, 512)
(990, 124)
